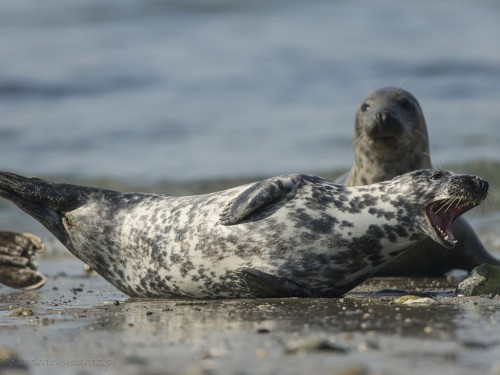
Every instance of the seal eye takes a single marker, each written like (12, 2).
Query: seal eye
(365, 107)
(436, 175)
(406, 104)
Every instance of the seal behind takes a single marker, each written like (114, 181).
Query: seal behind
(390, 139)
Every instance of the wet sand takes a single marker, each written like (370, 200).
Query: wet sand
(79, 324)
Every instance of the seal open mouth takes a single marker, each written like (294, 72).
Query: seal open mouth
(441, 214)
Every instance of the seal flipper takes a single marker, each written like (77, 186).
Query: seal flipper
(257, 197)
(264, 285)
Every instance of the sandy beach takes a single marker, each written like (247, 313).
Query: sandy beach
(80, 324)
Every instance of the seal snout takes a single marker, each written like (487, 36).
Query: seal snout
(385, 126)
(474, 187)
(482, 187)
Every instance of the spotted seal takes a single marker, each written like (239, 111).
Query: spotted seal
(390, 139)
(18, 268)
(292, 235)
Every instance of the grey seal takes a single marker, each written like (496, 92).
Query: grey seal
(292, 235)
(18, 268)
(390, 139)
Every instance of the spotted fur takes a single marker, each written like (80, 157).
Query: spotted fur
(289, 235)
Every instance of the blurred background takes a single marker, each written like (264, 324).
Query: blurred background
(180, 96)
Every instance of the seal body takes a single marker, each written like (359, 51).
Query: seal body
(294, 235)
(390, 139)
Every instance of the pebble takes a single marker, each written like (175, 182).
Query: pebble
(414, 300)
(22, 311)
(313, 344)
(483, 280)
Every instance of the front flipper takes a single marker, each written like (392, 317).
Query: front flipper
(258, 196)
(264, 285)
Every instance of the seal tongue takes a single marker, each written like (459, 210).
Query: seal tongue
(442, 214)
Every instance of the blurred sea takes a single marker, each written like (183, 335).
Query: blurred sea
(180, 96)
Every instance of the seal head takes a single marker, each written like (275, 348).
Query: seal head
(456, 195)
(390, 137)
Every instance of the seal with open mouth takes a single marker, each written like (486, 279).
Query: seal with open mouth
(293, 235)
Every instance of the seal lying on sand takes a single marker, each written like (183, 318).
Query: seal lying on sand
(294, 235)
(17, 266)
(390, 140)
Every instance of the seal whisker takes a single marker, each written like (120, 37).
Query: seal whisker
(442, 205)
(451, 203)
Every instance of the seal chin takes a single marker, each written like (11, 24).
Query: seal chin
(387, 142)
(441, 214)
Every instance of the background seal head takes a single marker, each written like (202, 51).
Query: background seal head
(390, 137)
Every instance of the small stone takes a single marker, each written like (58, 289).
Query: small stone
(88, 270)
(414, 300)
(483, 280)
(420, 301)
(313, 344)
(403, 299)
(22, 311)
(353, 370)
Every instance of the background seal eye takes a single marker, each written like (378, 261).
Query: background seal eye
(406, 104)
(365, 107)
(436, 175)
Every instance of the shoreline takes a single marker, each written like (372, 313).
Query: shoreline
(79, 317)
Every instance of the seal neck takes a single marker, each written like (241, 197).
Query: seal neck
(369, 170)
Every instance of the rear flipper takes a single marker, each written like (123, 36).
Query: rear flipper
(264, 285)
